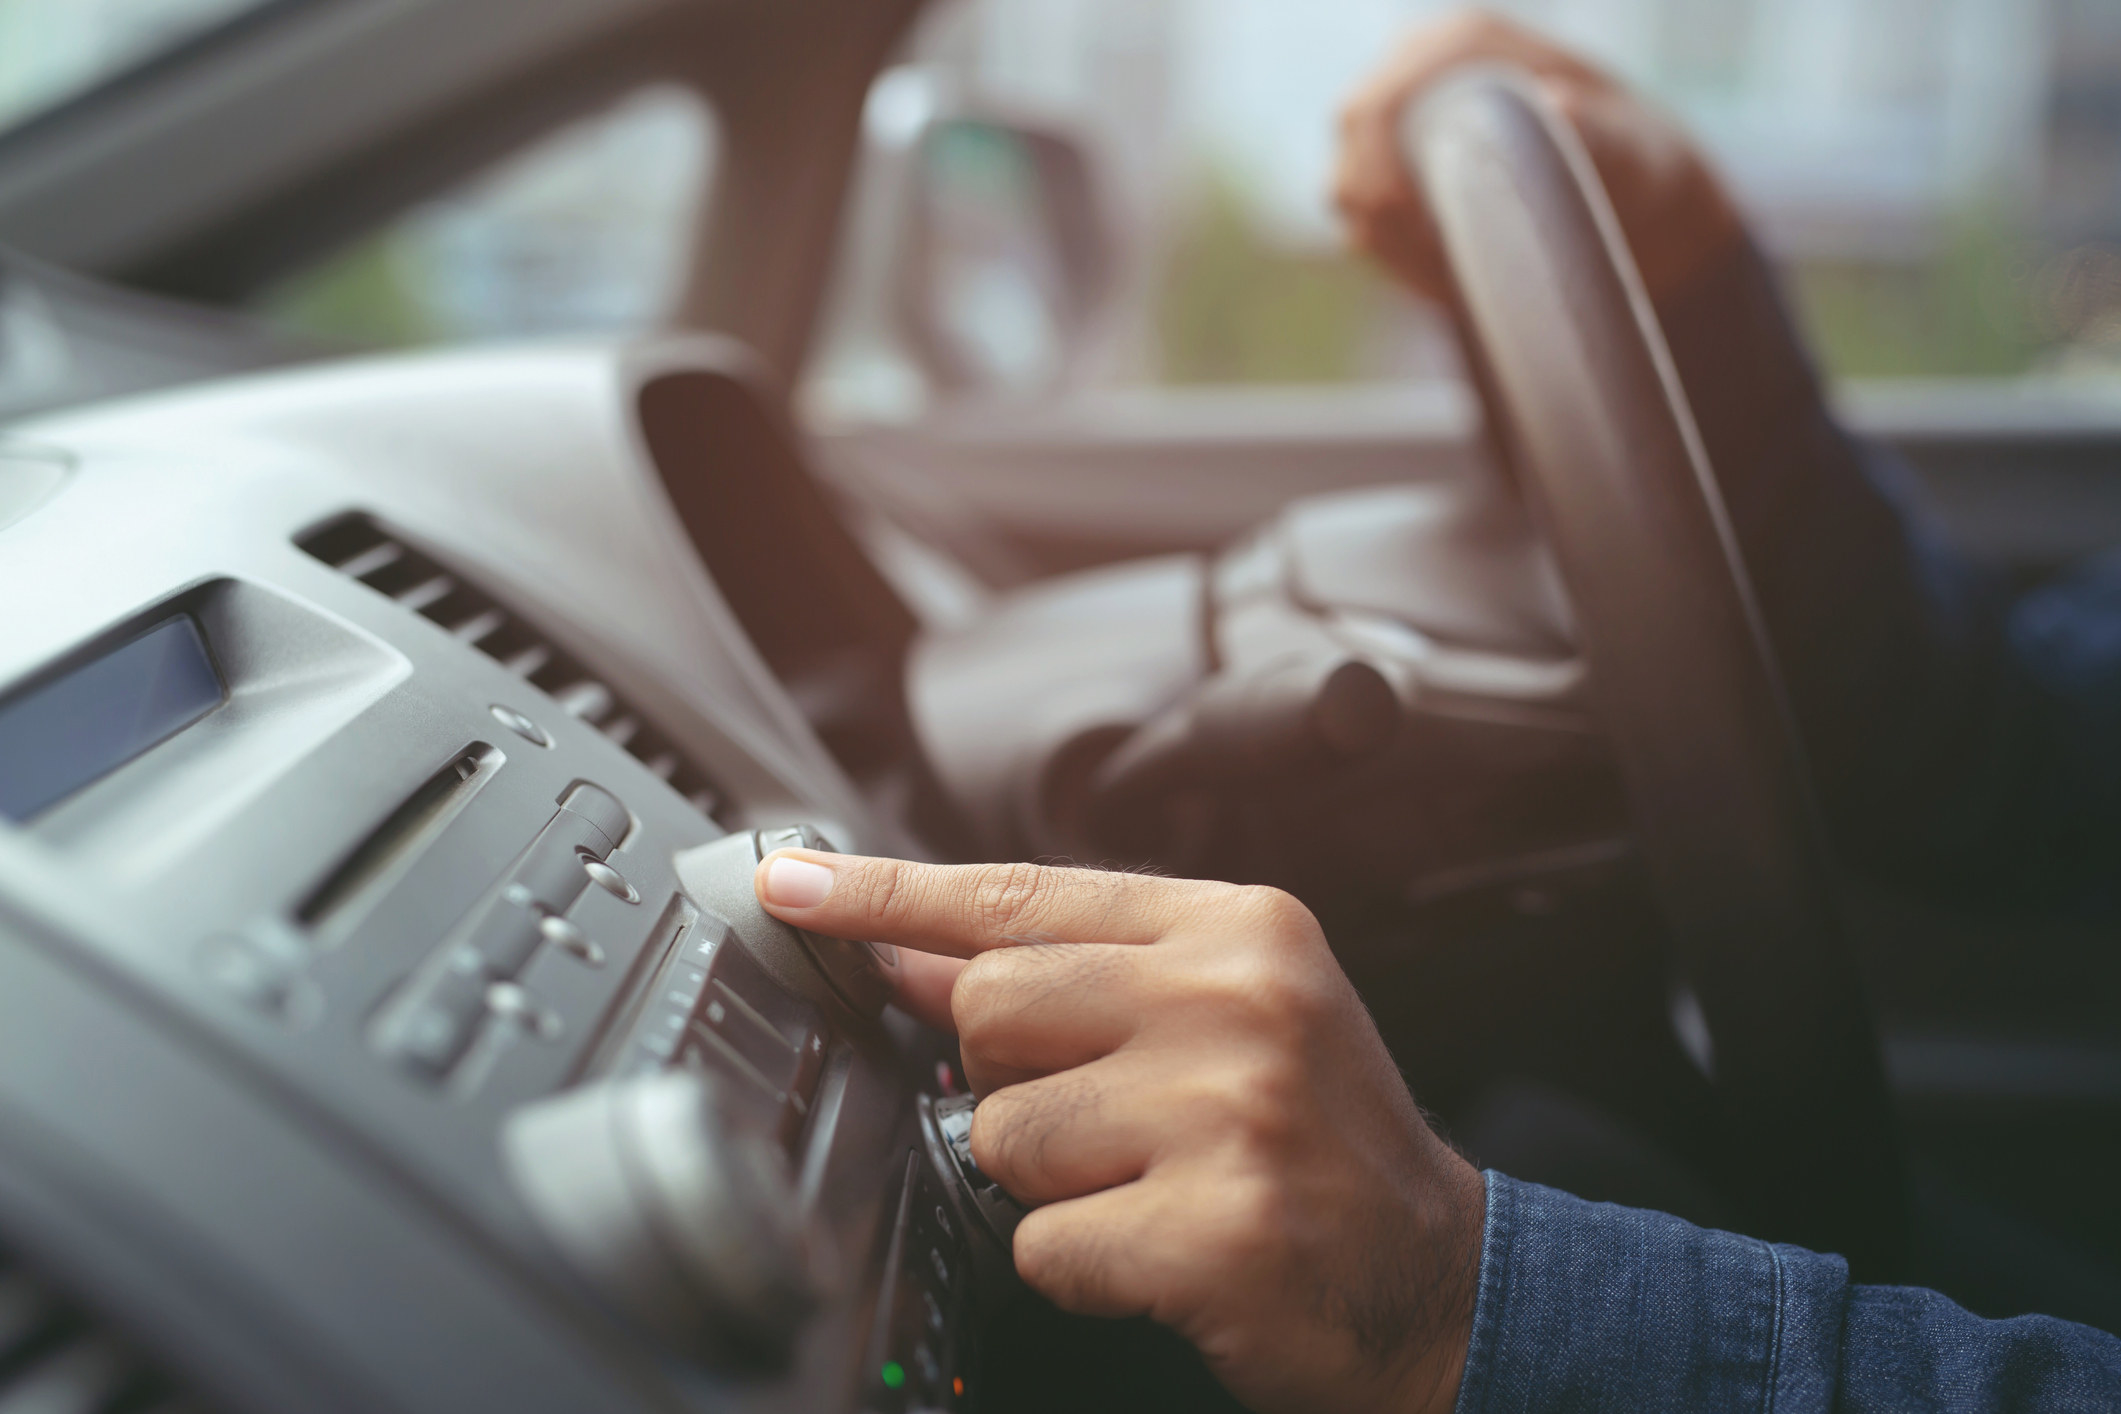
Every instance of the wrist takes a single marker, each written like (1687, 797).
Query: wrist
(1437, 1368)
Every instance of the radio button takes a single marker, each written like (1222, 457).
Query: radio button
(601, 809)
(435, 1024)
(568, 937)
(511, 1002)
(508, 933)
(521, 725)
(552, 871)
(610, 880)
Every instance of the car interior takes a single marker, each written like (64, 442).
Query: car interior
(388, 737)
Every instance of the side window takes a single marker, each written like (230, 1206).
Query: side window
(590, 229)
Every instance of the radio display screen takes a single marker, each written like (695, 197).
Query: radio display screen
(69, 731)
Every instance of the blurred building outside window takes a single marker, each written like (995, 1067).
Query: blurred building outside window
(53, 50)
(588, 230)
(1939, 179)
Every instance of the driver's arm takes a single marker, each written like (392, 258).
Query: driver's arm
(1960, 740)
(1181, 1077)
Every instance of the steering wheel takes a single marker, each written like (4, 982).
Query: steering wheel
(1588, 415)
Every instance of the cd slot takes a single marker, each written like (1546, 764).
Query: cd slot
(390, 849)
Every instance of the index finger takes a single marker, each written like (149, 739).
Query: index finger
(960, 910)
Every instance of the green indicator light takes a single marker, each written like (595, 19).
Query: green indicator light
(894, 1375)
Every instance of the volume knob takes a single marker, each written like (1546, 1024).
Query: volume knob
(678, 1217)
(717, 876)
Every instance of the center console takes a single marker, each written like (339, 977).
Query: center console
(386, 1019)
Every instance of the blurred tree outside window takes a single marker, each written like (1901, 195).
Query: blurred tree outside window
(1940, 180)
(588, 230)
(1235, 306)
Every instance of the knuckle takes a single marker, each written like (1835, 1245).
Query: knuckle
(1062, 1262)
(996, 1133)
(1250, 980)
(1018, 1138)
(1255, 1103)
(1273, 1100)
(1040, 1258)
(1004, 895)
(1239, 991)
(979, 1000)
(1278, 913)
(1287, 970)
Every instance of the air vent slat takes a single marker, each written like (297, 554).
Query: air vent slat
(425, 593)
(367, 562)
(590, 701)
(366, 551)
(480, 627)
(529, 662)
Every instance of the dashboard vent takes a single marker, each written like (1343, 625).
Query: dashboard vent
(54, 1359)
(359, 547)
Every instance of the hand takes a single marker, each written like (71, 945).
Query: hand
(1677, 217)
(1183, 1078)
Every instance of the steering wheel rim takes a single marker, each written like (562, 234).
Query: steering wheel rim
(1587, 413)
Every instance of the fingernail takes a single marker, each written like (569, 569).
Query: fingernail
(797, 883)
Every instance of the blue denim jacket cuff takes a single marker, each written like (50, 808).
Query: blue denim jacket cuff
(1591, 1306)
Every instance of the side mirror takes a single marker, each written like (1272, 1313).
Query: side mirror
(1004, 260)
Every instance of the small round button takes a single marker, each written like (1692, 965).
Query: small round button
(266, 973)
(610, 880)
(513, 1002)
(570, 939)
(521, 725)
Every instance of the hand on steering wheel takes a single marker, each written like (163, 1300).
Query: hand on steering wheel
(1674, 211)
(1549, 210)
(1183, 1078)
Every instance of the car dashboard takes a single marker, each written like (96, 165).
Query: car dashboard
(381, 774)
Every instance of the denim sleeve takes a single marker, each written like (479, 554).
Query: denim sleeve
(1964, 739)
(1591, 1307)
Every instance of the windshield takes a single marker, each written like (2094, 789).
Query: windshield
(1940, 184)
(54, 50)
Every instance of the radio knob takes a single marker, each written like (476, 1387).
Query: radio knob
(676, 1215)
(718, 876)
